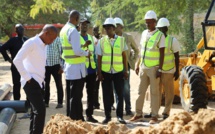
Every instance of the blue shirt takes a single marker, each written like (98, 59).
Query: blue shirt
(90, 70)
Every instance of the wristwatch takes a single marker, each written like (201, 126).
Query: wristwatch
(159, 70)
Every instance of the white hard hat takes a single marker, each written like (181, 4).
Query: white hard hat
(163, 22)
(109, 21)
(150, 15)
(118, 21)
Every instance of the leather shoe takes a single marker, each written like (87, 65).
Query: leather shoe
(129, 113)
(46, 105)
(59, 106)
(91, 119)
(121, 120)
(106, 120)
(148, 116)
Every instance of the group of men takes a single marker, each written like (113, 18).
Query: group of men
(90, 60)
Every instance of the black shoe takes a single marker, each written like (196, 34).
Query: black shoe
(121, 120)
(129, 113)
(59, 106)
(165, 116)
(106, 120)
(113, 108)
(25, 116)
(83, 119)
(47, 105)
(91, 119)
(96, 107)
(148, 116)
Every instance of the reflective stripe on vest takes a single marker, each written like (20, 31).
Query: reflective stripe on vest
(112, 56)
(169, 62)
(68, 54)
(91, 49)
(150, 50)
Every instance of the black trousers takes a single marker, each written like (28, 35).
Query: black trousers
(53, 70)
(117, 80)
(76, 94)
(16, 82)
(90, 87)
(96, 94)
(68, 84)
(35, 95)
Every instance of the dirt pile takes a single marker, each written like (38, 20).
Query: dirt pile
(181, 123)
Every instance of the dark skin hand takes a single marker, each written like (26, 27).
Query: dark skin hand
(125, 65)
(87, 43)
(60, 71)
(100, 76)
(137, 70)
(176, 74)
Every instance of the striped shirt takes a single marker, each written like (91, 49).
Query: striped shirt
(53, 52)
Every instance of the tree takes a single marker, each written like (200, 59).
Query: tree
(42, 11)
(179, 12)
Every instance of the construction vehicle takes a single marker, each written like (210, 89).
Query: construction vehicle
(197, 79)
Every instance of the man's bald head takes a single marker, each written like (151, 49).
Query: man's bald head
(74, 17)
(48, 34)
(50, 28)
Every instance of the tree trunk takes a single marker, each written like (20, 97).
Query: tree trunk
(189, 29)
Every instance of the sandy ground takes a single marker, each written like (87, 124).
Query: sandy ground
(22, 126)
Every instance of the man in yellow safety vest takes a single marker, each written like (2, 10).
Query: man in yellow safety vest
(170, 69)
(112, 67)
(90, 66)
(75, 70)
(151, 59)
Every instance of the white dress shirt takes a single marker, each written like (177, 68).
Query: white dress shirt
(30, 61)
(75, 71)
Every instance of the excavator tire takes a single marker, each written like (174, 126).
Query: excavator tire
(193, 89)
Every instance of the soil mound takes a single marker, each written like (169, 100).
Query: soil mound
(181, 123)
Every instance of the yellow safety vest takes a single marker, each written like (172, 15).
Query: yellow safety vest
(150, 50)
(68, 53)
(112, 55)
(91, 49)
(169, 59)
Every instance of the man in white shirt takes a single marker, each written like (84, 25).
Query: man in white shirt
(170, 68)
(30, 62)
(75, 70)
(151, 59)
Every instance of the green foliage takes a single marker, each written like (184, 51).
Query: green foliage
(46, 6)
(42, 11)
(179, 12)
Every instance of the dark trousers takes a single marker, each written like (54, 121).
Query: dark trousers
(76, 94)
(16, 83)
(107, 89)
(90, 87)
(53, 70)
(68, 83)
(96, 94)
(35, 95)
(126, 92)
